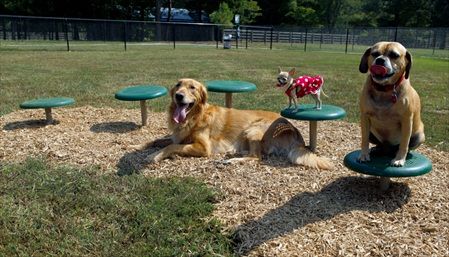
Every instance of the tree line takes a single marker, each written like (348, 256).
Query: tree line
(323, 13)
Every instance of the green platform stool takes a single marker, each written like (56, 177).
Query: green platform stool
(141, 93)
(228, 87)
(47, 104)
(415, 165)
(309, 113)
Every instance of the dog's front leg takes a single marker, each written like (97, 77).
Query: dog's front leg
(365, 127)
(294, 101)
(197, 149)
(290, 101)
(406, 133)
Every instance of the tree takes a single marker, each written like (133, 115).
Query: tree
(223, 15)
(300, 12)
(248, 10)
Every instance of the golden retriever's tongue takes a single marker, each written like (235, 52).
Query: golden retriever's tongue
(180, 114)
(378, 70)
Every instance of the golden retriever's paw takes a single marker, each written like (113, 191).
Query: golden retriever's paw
(364, 157)
(397, 162)
(155, 157)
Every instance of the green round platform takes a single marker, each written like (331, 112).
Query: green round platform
(141, 92)
(47, 103)
(415, 165)
(309, 112)
(230, 86)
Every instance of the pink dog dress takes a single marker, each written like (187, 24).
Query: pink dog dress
(305, 85)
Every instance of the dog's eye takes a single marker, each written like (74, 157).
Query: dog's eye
(192, 87)
(393, 55)
(178, 85)
(375, 54)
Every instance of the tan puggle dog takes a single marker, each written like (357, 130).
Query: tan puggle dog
(390, 107)
(202, 129)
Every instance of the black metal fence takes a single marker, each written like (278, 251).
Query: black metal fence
(67, 30)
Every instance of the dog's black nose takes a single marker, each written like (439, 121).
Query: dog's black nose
(179, 96)
(380, 61)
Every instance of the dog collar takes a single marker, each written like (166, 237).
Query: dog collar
(391, 87)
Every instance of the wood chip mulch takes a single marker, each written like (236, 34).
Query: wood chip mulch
(271, 207)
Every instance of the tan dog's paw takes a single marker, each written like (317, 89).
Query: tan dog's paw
(364, 157)
(155, 157)
(397, 162)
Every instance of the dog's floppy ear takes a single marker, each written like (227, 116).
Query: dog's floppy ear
(363, 66)
(292, 72)
(408, 57)
(203, 94)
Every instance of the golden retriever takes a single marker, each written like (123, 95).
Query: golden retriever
(202, 129)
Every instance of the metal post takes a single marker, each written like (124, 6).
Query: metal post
(313, 127)
(67, 34)
(321, 38)
(305, 42)
(216, 34)
(4, 28)
(144, 112)
(396, 34)
(246, 44)
(48, 116)
(124, 34)
(347, 40)
(174, 36)
(236, 39)
(434, 42)
(271, 39)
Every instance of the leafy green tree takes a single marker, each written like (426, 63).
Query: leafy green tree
(300, 12)
(248, 10)
(223, 15)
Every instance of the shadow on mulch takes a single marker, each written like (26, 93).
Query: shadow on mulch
(114, 127)
(135, 161)
(28, 124)
(341, 196)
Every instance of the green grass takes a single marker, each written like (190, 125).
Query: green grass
(64, 211)
(91, 74)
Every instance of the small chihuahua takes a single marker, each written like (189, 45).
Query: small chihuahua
(301, 86)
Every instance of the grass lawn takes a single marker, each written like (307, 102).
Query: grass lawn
(63, 211)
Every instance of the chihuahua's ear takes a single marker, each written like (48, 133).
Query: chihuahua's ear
(363, 66)
(292, 72)
(279, 69)
(408, 57)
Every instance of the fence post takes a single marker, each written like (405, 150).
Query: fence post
(347, 40)
(4, 28)
(236, 38)
(305, 41)
(246, 45)
(216, 34)
(66, 28)
(174, 35)
(124, 34)
(434, 41)
(271, 38)
(321, 38)
(396, 34)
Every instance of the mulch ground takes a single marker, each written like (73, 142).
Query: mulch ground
(271, 207)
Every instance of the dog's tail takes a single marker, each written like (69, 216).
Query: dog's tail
(303, 156)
